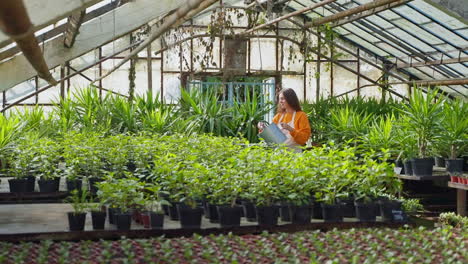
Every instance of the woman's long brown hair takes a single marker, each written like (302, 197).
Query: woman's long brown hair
(291, 98)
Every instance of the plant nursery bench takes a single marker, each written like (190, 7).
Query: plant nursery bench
(461, 197)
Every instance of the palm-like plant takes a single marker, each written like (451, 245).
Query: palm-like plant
(454, 124)
(423, 115)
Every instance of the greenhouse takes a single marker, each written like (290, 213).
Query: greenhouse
(233, 131)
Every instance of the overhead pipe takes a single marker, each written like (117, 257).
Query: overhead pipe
(15, 22)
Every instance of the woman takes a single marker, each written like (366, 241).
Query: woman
(292, 121)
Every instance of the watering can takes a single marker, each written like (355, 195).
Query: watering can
(272, 134)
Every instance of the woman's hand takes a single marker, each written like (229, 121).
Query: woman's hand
(261, 126)
(286, 126)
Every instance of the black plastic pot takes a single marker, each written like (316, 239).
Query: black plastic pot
(76, 222)
(285, 215)
(465, 163)
(454, 166)
(92, 185)
(422, 166)
(229, 216)
(317, 211)
(31, 183)
(399, 163)
(300, 214)
(98, 219)
(189, 217)
(112, 212)
(249, 211)
(408, 167)
(332, 213)
(347, 207)
(74, 185)
(49, 186)
(18, 185)
(156, 220)
(211, 212)
(173, 212)
(267, 215)
(123, 221)
(366, 212)
(439, 162)
(387, 207)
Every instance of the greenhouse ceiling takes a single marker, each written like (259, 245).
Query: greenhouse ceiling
(420, 38)
(417, 37)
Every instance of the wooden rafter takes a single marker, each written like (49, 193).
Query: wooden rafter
(73, 26)
(60, 29)
(46, 12)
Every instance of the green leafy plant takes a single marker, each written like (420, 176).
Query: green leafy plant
(79, 201)
(454, 126)
(423, 115)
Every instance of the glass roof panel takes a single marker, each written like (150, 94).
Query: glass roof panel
(389, 15)
(357, 31)
(445, 34)
(410, 40)
(436, 14)
(367, 45)
(421, 33)
(379, 21)
(410, 12)
(388, 48)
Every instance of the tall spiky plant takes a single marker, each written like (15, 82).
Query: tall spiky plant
(423, 115)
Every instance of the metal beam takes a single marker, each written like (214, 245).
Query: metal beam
(368, 13)
(42, 89)
(349, 12)
(432, 62)
(295, 13)
(73, 26)
(175, 19)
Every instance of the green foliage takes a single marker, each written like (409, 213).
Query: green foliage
(454, 220)
(423, 115)
(79, 201)
(411, 206)
(454, 127)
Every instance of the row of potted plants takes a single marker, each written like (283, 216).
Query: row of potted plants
(211, 170)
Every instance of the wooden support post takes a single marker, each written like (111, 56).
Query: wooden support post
(162, 76)
(461, 202)
(317, 73)
(68, 80)
(36, 83)
(149, 65)
(62, 82)
(100, 72)
(331, 73)
(359, 72)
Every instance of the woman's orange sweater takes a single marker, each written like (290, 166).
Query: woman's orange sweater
(301, 132)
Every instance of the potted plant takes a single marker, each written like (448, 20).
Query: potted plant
(121, 195)
(77, 218)
(47, 164)
(454, 133)
(422, 117)
(98, 214)
(154, 215)
(227, 189)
